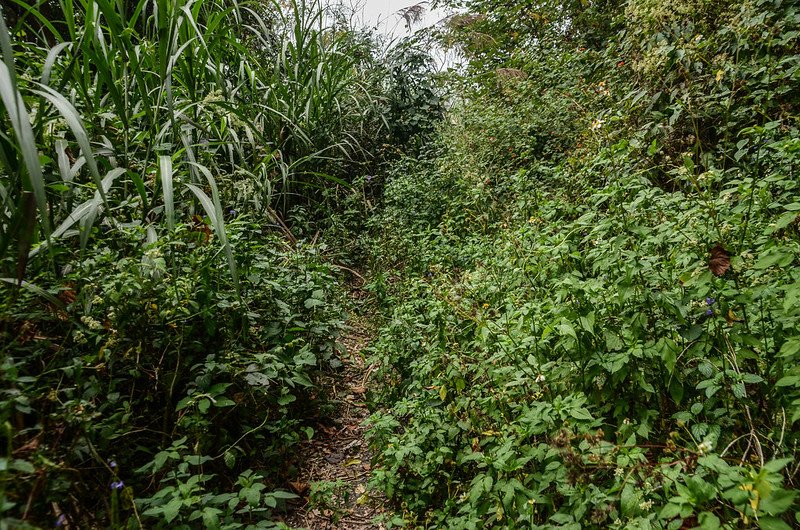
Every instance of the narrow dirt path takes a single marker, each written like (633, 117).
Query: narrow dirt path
(334, 467)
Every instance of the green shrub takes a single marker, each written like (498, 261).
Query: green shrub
(602, 331)
(150, 343)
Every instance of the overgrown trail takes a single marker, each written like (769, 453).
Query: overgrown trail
(334, 467)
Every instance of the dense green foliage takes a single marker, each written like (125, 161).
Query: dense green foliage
(161, 353)
(582, 253)
(599, 326)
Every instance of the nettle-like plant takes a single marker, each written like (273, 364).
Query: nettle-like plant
(233, 375)
(603, 332)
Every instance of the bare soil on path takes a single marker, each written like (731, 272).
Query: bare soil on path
(334, 466)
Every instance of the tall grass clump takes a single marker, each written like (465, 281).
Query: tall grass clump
(161, 328)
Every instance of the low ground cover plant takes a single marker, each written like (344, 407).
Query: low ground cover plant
(598, 328)
(146, 346)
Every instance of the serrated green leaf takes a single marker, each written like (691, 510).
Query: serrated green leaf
(224, 402)
(629, 500)
(580, 414)
(789, 380)
(774, 466)
(707, 521)
(22, 466)
(279, 494)
(230, 459)
(211, 518)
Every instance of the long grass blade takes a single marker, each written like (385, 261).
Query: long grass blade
(21, 122)
(213, 208)
(31, 9)
(52, 57)
(86, 210)
(75, 124)
(64, 168)
(38, 291)
(165, 173)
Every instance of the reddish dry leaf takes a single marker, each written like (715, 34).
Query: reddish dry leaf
(27, 332)
(27, 448)
(720, 261)
(330, 431)
(199, 225)
(67, 296)
(300, 488)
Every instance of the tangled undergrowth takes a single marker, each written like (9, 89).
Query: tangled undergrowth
(167, 309)
(581, 247)
(598, 328)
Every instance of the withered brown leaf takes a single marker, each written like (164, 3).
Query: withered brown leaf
(300, 488)
(720, 261)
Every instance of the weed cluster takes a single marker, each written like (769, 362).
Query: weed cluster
(599, 326)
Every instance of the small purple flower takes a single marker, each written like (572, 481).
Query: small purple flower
(369, 178)
(711, 301)
(117, 485)
(232, 213)
(61, 520)
(112, 464)
(709, 312)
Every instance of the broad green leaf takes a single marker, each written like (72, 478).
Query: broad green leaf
(790, 348)
(778, 501)
(629, 500)
(580, 414)
(230, 459)
(278, 494)
(211, 518)
(774, 466)
(789, 380)
(171, 509)
(708, 521)
(772, 523)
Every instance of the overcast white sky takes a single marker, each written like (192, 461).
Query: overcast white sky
(384, 15)
(386, 12)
